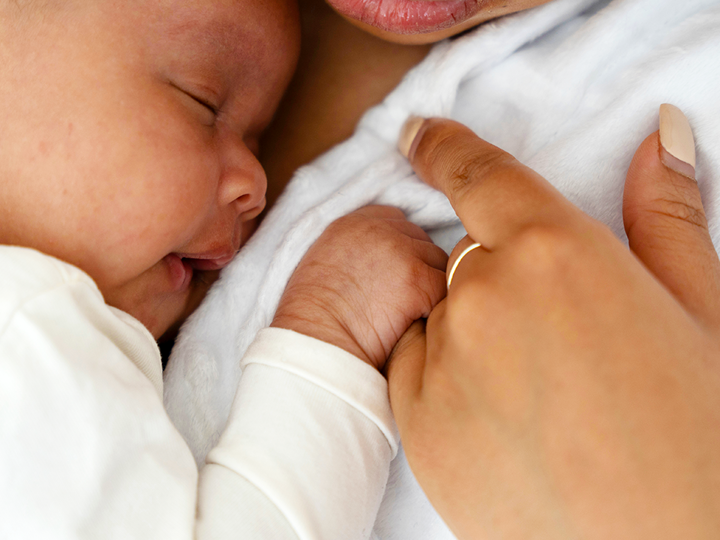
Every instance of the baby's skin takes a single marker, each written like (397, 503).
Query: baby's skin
(129, 136)
(364, 282)
(128, 149)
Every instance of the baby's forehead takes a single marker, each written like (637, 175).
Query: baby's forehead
(226, 31)
(226, 21)
(217, 24)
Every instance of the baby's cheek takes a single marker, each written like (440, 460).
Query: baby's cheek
(186, 192)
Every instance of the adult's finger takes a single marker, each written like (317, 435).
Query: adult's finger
(493, 194)
(404, 371)
(665, 220)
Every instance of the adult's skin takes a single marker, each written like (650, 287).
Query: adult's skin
(346, 66)
(567, 387)
(416, 22)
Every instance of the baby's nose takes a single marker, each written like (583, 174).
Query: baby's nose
(243, 182)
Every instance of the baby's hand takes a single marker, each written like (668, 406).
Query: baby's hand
(366, 279)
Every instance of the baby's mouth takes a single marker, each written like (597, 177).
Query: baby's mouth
(180, 272)
(210, 263)
(182, 266)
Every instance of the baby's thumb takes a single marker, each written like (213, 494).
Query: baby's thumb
(404, 371)
(665, 220)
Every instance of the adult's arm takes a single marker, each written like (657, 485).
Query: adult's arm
(87, 450)
(567, 387)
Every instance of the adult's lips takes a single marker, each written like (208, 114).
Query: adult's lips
(409, 16)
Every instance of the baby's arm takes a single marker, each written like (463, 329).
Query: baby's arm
(87, 450)
(311, 426)
(307, 448)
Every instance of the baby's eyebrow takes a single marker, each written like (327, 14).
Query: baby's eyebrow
(222, 48)
(215, 33)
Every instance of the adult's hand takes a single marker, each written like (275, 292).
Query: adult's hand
(567, 387)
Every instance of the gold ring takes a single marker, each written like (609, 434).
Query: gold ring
(457, 262)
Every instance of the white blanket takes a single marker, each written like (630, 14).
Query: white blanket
(570, 88)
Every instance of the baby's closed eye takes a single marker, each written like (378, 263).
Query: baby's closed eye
(202, 106)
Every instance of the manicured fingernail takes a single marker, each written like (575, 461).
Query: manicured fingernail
(408, 133)
(677, 140)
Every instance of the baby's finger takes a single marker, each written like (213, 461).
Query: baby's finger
(430, 254)
(493, 194)
(435, 290)
(409, 229)
(665, 220)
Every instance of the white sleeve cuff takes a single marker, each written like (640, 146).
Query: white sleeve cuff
(311, 433)
(331, 368)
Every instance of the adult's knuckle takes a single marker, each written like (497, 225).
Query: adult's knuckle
(462, 304)
(545, 248)
(468, 171)
(681, 210)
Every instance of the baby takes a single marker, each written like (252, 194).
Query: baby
(128, 168)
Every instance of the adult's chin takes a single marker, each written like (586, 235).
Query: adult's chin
(424, 21)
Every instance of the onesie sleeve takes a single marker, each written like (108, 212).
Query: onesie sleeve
(311, 429)
(88, 451)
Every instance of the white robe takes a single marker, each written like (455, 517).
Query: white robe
(570, 88)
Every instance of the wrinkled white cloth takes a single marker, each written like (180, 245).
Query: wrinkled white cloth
(571, 88)
(88, 451)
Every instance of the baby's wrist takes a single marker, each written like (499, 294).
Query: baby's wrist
(319, 328)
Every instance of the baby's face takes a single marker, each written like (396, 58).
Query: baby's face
(130, 135)
(424, 21)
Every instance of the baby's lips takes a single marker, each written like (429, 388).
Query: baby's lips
(210, 264)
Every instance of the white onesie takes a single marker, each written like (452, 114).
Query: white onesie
(88, 451)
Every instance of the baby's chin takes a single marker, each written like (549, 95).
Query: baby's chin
(414, 22)
(165, 295)
(155, 299)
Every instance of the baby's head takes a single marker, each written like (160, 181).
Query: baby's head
(424, 21)
(129, 136)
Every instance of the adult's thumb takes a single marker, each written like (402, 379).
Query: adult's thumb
(664, 217)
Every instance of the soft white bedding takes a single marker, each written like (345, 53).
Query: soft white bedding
(570, 88)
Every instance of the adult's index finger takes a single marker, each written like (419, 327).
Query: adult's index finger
(493, 194)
